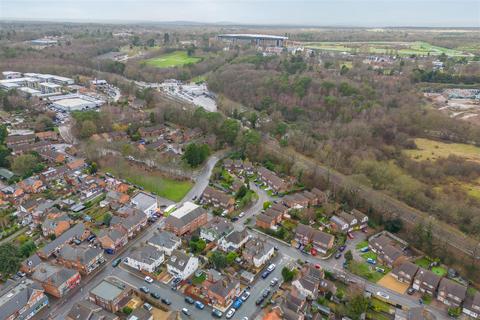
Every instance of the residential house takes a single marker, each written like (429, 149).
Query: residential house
(55, 280)
(350, 219)
(47, 135)
(76, 164)
(339, 224)
(56, 224)
(264, 221)
(186, 219)
(321, 196)
(362, 219)
(21, 300)
(165, 241)
(221, 292)
(113, 239)
(132, 224)
(312, 198)
(141, 314)
(293, 305)
(386, 249)
(426, 281)
(78, 231)
(52, 156)
(87, 310)
(145, 202)
(155, 131)
(181, 265)
(31, 185)
(11, 141)
(257, 252)
(234, 241)
(117, 197)
(83, 258)
(34, 146)
(147, 258)
(28, 265)
(405, 272)
(309, 281)
(268, 177)
(218, 199)
(110, 294)
(451, 293)
(216, 229)
(280, 207)
(296, 201)
(325, 286)
(321, 241)
(471, 306)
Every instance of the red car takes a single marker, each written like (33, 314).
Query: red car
(318, 266)
(350, 236)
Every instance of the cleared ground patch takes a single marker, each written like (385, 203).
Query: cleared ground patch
(172, 59)
(432, 150)
(418, 48)
(391, 283)
(152, 181)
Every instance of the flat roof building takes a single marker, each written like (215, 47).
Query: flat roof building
(257, 39)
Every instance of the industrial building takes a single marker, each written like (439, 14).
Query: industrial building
(75, 102)
(263, 40)
(35, 84)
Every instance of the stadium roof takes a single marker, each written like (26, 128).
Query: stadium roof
(252, 36)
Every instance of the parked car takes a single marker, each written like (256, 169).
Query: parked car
(166, 301)
(144, 289)
(317, 266)
(371, 261)
(199, 305)
(116, 262)
(241, 214)
(410, 291)
(350, 236)
(342, 248)
(259, 301)
(189, 300)
(265, 292)
(217, 313)
(271, 267)
(365, 249)
(148, 279)
(233, 220)
(237, 303)
(230, 313)
(338, 255)
(265, 274)
(147, 306)
(274, 282)
(383, 295)
(155, 295)
(186, 312)
(380, 270)
(245, 295)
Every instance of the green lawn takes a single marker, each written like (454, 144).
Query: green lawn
(361, 245)
(153, 182)
(173, 59)
(440, 271)
(423, 262)
(364, 270)
(369, 254)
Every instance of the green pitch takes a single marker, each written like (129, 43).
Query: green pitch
(173, 59)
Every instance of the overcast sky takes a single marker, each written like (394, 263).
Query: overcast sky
(436, 13)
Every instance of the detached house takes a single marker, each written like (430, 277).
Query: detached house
(471, 306)
(215, 229)
(264, 221)
(165, 241)
(234, 241)
(405, 272)
(257, 252)
(426, 281)
(181, 265)
(451, 293)
(218, 199)
(309, 281)
(56, 281)
(147, 258)
(84, 259)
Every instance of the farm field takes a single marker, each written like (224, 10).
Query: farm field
(432, 150)
(401, 48)
(173, 59)
(151, 181)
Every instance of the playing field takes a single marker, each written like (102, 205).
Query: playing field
(432, 150)
(418, 48)
(173, 59)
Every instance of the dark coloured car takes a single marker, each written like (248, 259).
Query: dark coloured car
(266, 292)
(189, 300)
(217, 313)
(166, 301)
(259, 301)
(338, 255)
(116, 262)
(342, 248)
(155, 295)
(410, 291)
(265, 274)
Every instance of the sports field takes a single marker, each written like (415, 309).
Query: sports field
(432, 150)
(172, 59)
(418, 48)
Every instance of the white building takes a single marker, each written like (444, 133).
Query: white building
(181, 265)
(166, 241)
(146, 258)
(145, 202)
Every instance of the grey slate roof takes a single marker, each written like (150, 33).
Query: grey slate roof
(185, 219)
(164, 239)
(54, 274)
(178, 260)
(15, 295)
(147, 254)
(79, 253)
(75, 232)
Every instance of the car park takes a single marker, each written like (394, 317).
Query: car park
(155, 295)
(144, 289)
(148, 279)
(217, 313)
(189, 300)
(186, 312)
(199, 305)
(230, 313)
(245, 295)
(271, 267)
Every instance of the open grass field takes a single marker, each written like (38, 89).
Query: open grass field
(151, 181)
(432, 150)
(173, 59)
(418, 48)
